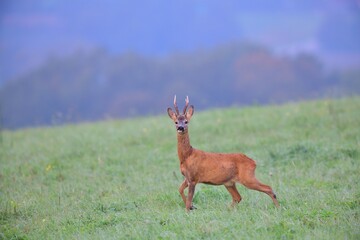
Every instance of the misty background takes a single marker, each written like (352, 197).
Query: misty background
(72, 61)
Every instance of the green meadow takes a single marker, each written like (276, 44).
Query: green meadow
(119, 179)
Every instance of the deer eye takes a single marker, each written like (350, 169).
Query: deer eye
(176, 122)
(186, 122)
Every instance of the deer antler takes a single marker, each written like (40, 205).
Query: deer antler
(186, 104)
(175, 106)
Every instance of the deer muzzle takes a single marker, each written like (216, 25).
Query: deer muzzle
(180, 129)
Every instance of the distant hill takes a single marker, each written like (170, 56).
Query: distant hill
(95, 85)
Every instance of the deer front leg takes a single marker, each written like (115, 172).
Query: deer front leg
(182, 187)
(189, 205)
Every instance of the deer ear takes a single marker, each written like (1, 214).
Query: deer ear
(171, 114)
(190, 112)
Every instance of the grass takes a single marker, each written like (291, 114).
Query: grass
(119, 179)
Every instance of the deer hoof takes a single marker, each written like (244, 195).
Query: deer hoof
(193, 207)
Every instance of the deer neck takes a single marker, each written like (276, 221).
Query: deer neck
(184, 147)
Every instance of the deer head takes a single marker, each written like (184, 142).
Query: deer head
(181, 120)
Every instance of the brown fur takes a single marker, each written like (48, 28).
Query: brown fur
(198, 166)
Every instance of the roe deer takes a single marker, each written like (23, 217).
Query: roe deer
(211, 168)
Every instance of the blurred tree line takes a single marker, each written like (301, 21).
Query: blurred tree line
(93, 85)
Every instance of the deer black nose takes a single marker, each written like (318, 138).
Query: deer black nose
(180, 128)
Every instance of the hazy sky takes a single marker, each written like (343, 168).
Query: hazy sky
(31, 30)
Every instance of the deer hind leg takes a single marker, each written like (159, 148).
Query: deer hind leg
(256, 185)
(236, 198)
